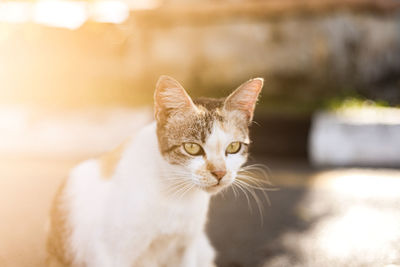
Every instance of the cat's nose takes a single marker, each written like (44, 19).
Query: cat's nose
(219, 174)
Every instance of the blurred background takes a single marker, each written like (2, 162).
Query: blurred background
(77, 78)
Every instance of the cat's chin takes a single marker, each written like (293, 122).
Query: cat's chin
(213, 189)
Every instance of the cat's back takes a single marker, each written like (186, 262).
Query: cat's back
(139, 146)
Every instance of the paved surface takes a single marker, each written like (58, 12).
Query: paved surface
(347, 217)
(343, 217)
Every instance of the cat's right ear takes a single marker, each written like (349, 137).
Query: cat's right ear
(170, 98)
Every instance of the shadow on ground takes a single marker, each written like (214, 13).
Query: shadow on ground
(244, 237)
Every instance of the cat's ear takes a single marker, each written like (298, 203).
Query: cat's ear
(244, 98)
(170, 98)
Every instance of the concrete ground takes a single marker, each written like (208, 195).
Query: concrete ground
(337, 217)
(342, 217)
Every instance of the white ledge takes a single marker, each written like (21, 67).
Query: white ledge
(366, 137)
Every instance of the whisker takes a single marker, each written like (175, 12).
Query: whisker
(234, 191)
(255, 184)
(174, 186)
(257, 200)
(245, 193)
(177, 178)
(262, 189)
(255, 177)
(253, 188)
(180, 190)
(256, 173)
(257, 168)
(187, 189)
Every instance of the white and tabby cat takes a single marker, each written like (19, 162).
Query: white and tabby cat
(145, 204)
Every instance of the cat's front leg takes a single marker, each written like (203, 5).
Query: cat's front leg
(200, 253)
(205, 252)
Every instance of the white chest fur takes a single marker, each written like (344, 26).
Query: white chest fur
(129, 220)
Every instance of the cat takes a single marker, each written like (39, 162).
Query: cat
(145, 203)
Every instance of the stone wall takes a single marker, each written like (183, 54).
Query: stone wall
(305, 55)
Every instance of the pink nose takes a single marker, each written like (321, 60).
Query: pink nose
(218, 174)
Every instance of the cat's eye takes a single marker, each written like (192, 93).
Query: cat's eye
(233, 147)
(193, 149)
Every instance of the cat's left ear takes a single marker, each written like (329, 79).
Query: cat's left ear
(171, 98)
(244, 98)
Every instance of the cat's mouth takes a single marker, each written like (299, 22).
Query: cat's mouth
(215, 186)
(213, 189)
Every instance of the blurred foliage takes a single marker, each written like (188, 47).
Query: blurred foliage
(355, 101)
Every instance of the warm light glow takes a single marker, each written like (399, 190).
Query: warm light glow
(109, 11)
(15, 12)
(352, 215)
(70, 14)
(143, 4)
(13, 120)
(360, 183)
(359, 229)
(66, 14)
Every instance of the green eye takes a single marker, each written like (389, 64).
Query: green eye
(233, 147)
(193, 149)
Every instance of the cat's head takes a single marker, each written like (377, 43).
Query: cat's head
(206, 140)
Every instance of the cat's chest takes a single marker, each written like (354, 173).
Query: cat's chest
(181, 217)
